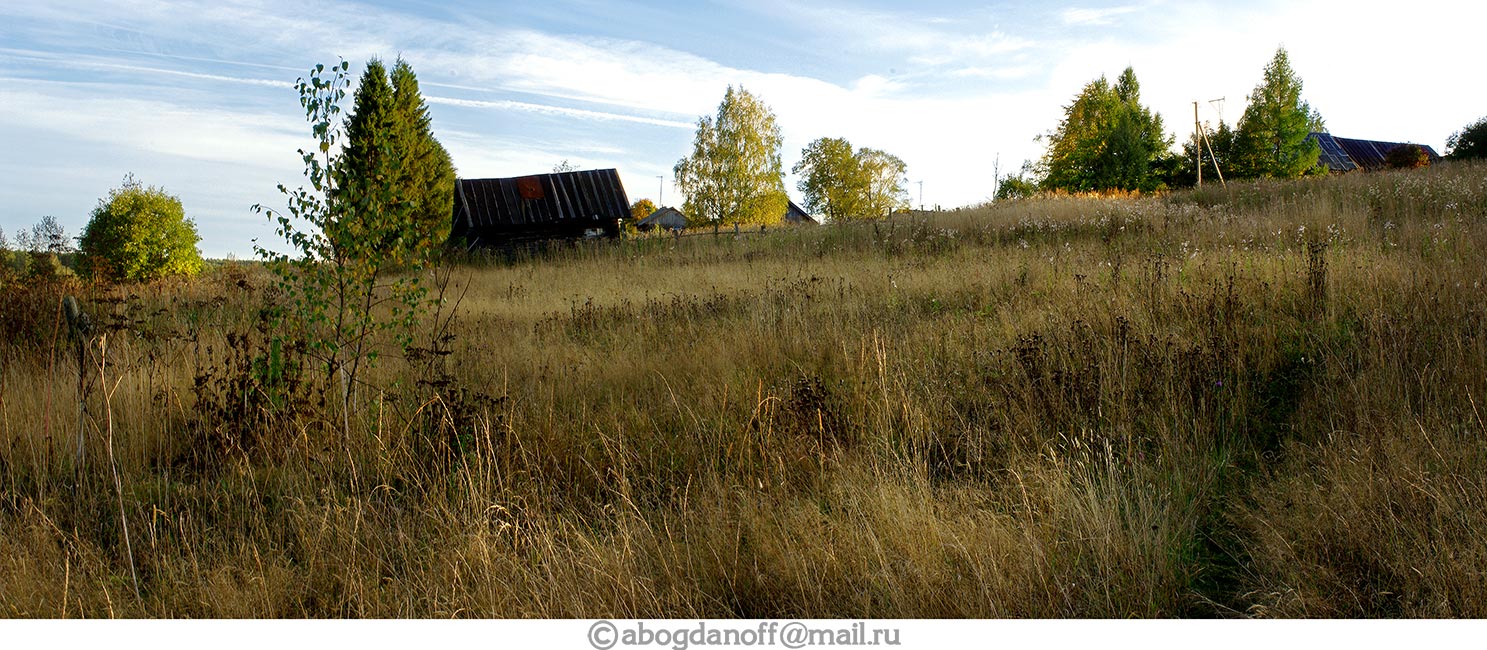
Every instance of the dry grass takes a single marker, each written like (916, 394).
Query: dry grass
(1261, 401)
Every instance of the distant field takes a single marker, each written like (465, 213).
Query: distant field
(1265, 401)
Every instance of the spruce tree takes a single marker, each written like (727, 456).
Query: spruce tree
(426, 175)
(365, 164)
(1135, 141)
(402, 178)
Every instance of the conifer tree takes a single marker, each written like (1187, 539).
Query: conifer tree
(1271, 138)
(1106, 141)
(402, 175)
(426, 173)
(365, 161)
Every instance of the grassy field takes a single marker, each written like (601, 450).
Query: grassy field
(1261, 401)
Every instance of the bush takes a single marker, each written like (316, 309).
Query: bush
(140, 233)
(1407, 156)
(13, 266)
(1016, 187)
(47, 267)
(1469, 142)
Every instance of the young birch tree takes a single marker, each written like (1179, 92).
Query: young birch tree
(735, 173)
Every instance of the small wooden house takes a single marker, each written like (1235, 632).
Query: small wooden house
(664, 218)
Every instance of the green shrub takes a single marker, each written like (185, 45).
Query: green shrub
(1407, 156)
(140, 233)
(47, 267)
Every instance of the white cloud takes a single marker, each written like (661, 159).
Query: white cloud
(610, 81)
(1003, 73)
(1101, 16)
(103, 114)
(875, 86)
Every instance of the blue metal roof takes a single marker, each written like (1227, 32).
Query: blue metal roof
(1333, 156)
(1347, 154)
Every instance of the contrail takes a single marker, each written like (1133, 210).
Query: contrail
(506, 104)
(74, 63)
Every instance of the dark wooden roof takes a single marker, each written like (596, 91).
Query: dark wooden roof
(1370, 154)
(492, 211)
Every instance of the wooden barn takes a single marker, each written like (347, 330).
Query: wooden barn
(665, 219)
(1348, 154)
(522, 210)
(795, 214)
(673, 219)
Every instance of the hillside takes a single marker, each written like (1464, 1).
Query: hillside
(1257, 401)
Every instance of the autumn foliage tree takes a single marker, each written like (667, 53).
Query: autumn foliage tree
(734, 173)
(642, 209)
(831, 179)
(886, 178)
(1407, 156)
(842, 184)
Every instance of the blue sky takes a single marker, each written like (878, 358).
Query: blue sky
(197, 96)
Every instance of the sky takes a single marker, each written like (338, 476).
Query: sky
(197, 96)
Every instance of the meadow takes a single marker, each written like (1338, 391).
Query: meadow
(1256, 401)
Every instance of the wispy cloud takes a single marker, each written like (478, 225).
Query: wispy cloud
(970, 38)
(544, 109)
(98, 63)
(102, 113)
(1101, 16)
(1016, 71)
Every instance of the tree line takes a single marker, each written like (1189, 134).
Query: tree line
(735, 173)
(1109, 141)
(389, 191)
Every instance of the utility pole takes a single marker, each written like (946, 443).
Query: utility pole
(1202, 139)
(1211, 154)
(1198, 140)
(921, 196)
(996, 175)
(1218, 104)
(660, 192)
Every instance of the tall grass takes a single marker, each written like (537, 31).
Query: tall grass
(1256, 401)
